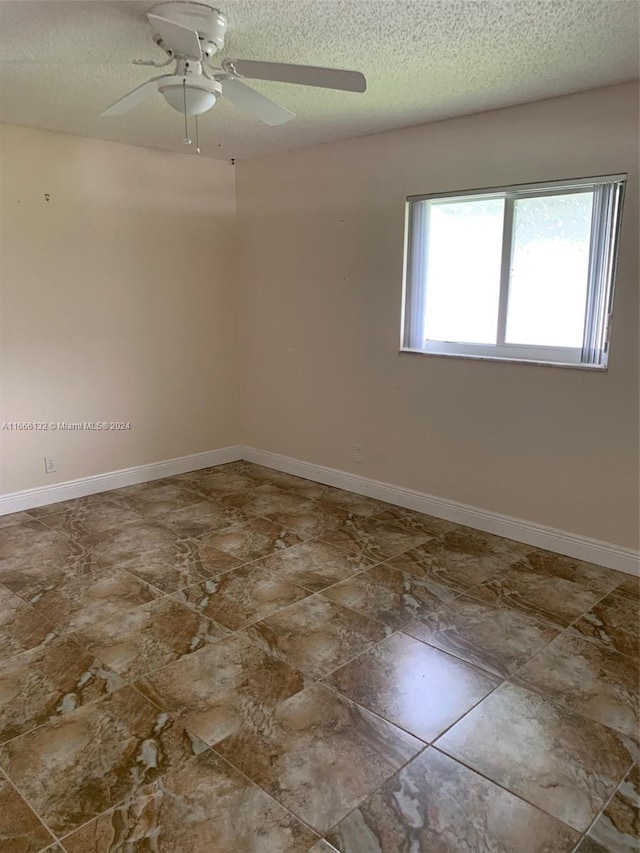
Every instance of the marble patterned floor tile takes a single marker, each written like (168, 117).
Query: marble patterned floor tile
(213, 482)
(241, 596)
(316, 635)
(477, 543)
(14, 518)
(203, 806)
(343, 513)
(265, 500)
(497, 639)
(311, 490)
(597, 579)
(239, 466)
(565, 764)
(590, 680)
(125, 777)
(629, 585)
(418, 688)
(75, 504)
(195, 563)
(588, 845)
(47, 682)
(456, 569)
(436, 805)
(373, 540)
(79, 765)
(618, 827)
(613, 623)
(310, 519)
(134, 642)
(390, 596)
(29, 536)
(216, 690)
(314, 565)
(21, 626)
(200, 518)
(416, 522)
(33, 577)
(260, 474)
(74, 599)
(158, 497)
(318, 754)
(30, 544)
(90, 522)
(356, 504)
(323, 847)
(552, 599)
(20, 829)
(138, 540)
(252, 540)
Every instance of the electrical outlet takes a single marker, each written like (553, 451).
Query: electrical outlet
(357, 453)
(49, 465)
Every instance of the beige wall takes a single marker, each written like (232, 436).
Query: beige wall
(117, 303)
(321, 255)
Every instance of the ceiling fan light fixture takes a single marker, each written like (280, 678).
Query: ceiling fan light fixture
(198, 100)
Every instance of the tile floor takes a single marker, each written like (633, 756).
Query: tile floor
(240, 661)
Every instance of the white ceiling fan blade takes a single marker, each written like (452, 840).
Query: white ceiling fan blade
(133, 98)
(250, 101)
(303, 75)
(181, 40)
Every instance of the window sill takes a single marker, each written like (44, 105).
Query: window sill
(597, 368)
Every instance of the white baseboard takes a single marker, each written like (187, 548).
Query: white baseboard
(549, 538)
(30, 498)
(538, 535)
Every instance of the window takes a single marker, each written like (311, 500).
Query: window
(522, 273)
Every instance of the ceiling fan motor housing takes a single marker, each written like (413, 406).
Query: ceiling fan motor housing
(207, 21)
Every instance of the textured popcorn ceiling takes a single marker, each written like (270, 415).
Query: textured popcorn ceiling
(64, 62)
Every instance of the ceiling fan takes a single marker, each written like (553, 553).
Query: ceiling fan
(191, 34)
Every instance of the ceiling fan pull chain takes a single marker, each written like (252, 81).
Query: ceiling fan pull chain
(197, 138)
(186, 139)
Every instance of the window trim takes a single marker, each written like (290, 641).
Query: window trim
(594, 353)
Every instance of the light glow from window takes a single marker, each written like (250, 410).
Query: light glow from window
(519, 273)
(463, 270)
(549, 270)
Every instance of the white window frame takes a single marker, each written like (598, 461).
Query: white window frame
(605, 228)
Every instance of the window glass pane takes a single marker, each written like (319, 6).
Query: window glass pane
(549, 268)
(464, 247)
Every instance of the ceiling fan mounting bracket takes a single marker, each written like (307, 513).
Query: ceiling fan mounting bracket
(206, 20)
